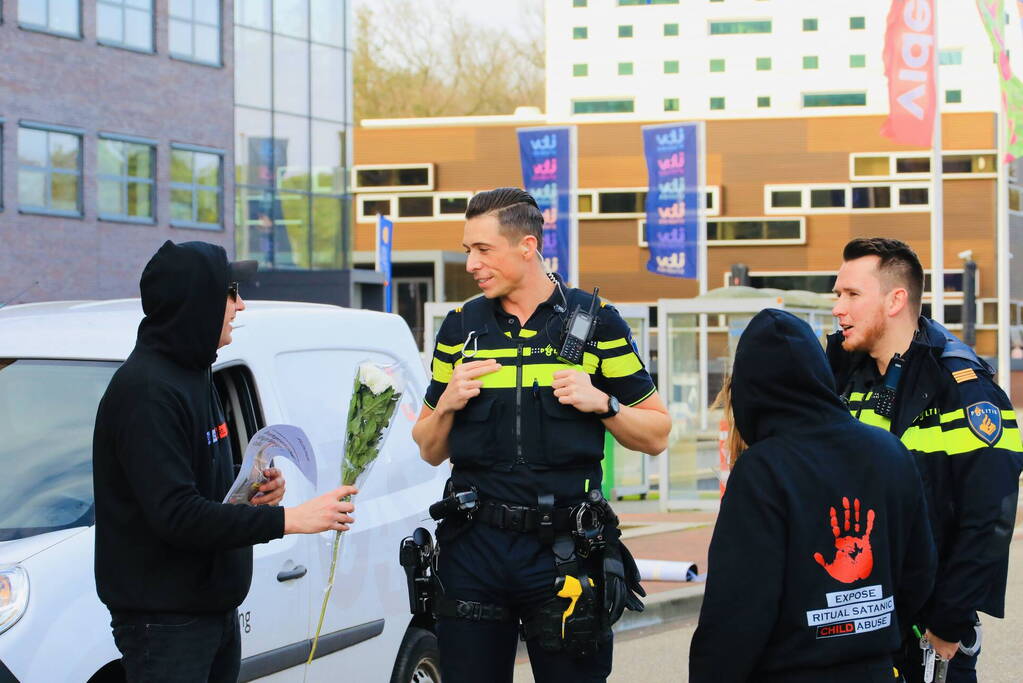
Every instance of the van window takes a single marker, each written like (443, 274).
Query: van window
(242, 411)
(47, 413)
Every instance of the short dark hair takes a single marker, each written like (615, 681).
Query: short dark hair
(516, 211)
(899, 264)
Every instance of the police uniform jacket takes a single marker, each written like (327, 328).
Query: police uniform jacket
(516, 440)
(962, 430)
(820, 551)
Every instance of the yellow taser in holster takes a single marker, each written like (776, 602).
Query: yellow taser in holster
(571, 589)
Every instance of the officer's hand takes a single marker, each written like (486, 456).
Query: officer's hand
(573, 388)
(464, 383)
(945, 649)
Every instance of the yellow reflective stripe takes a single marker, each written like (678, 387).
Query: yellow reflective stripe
(503, 378)
(869, 417)
(590, 362)
(543, 373)
(613, 344)
(961, 415)
(483, 354)
(620, 366)
(857, 396)
(449, 348)
(955, 441)
(526, 334)
(648, 395)
(442, 371)
(427, 403)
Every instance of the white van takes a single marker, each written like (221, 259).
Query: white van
(289, 363)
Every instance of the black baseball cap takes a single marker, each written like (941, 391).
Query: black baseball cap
(242, 271)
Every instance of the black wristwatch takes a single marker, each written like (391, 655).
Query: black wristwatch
(613, 406)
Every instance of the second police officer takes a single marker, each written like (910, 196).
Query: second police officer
(525, 432)
(906, 373)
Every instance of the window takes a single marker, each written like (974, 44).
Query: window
(603, 106)
(851, 198)
(919, 165)
(625, 31)
(578, 3)
(857, 23)
(717, 103)
(671, 30)
(822, 283)
(953, 96)
(763, 102)
(811, 62)
(670, 104)
(195, 30)
(721, 28)
(415, 207)
(626, 3)
(372, 207)
(950, 57)
(871, 197)
(763, 63)
(787, 199)
(671, 66)
(717, 66)
(857, 61)
(125, 23)
(452, 205)
(62, 17)
(835, 99)
(196, 184)
(404, 177)
(915, 196)
(809, 24)
(580, 70)
(50, 170)
(624, 68)
(827, 198)
(580, 33)
(126, 177)
(1, 165)
(756, 229)
(631, 202)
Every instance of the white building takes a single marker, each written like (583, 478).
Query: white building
(697, 59)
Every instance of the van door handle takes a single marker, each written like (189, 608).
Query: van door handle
(291, 574)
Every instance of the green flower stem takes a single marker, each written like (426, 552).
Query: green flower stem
(326, 594)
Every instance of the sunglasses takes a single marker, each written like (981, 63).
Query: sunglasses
(232, 291)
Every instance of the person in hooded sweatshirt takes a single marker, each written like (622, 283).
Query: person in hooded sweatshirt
(822, 544)
(172, 563)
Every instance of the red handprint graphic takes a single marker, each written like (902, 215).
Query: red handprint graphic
(854, 559)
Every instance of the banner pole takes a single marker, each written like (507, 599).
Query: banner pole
(1003, 256)
(573, 209)
(937, 194)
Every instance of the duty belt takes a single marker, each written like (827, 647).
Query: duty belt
(522, 518)
(474, 611)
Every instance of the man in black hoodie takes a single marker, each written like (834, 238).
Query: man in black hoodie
(821, 549)
(172, 562)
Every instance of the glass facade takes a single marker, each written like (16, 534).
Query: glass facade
(292, 125)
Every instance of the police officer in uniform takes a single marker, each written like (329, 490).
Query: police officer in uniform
(525, 432)
(905, 373)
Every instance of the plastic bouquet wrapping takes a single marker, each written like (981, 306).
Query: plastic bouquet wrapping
(376, 393)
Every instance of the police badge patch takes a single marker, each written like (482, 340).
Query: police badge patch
(985, 420)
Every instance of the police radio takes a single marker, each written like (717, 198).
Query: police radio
(884, 405)
(578, 332)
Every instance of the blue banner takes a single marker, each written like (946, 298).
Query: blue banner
(385, 237)
(546, 155)
(674, 199)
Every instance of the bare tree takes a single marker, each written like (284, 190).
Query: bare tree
(421, 59)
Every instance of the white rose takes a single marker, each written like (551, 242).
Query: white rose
(373, 377)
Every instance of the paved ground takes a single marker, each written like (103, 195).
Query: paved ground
(661, 653)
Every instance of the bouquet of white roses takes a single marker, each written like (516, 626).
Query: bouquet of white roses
(375, 396)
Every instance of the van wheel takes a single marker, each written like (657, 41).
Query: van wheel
(418, 658)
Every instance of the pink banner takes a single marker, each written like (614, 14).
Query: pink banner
(909, 53)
